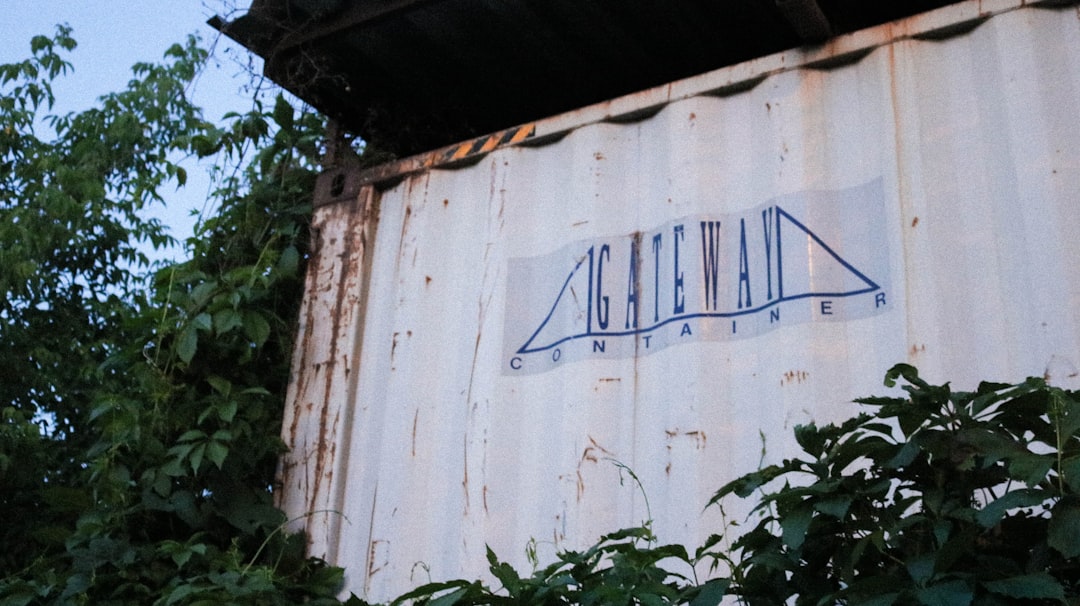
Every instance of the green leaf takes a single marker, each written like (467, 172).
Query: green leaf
(181, 592)
(162, 484)
(100, 409)
(202, 321)
(216, 452)
(746, 485)
(1070, 470)
(904, 456)
(256, 327)
(39, 43)
(836, 507)
(192, 435)
(283, 113)
(227, 411)
(810, 439)
(1031, 468)
(429, 589)
(449, 599)
(220, 385)
(711, 593)
(906, 371)
(196, 456)
(921, 567)
(187, 344)
(326, 581)
(1063, 532)
(201, 293)
(289, 261)
(1036, 586)
(258, 391)
(794, 525)
(226, 320)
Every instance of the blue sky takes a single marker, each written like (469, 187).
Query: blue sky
(113, 35)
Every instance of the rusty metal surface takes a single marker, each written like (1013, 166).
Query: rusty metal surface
(431, 416)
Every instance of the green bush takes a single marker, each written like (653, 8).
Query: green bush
(943, 497)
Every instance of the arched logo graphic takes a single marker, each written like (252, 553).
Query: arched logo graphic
(812, 256)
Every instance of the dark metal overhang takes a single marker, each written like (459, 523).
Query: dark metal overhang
(413, 75)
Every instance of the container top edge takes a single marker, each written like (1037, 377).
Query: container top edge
(953, 20)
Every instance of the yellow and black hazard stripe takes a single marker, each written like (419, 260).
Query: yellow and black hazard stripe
(488, 143)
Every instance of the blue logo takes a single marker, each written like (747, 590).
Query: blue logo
(805, 257)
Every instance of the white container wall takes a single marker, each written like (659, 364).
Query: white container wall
(671, 282)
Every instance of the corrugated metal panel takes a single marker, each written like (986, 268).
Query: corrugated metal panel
(924, 178)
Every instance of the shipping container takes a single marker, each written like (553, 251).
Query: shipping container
(496, 333)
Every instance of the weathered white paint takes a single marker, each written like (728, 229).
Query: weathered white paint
(413, 447)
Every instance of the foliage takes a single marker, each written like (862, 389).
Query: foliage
(943, 497)
(70, 226)
(138, 437)
(622, 568)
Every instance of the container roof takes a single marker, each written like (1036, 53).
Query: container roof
(413, 75)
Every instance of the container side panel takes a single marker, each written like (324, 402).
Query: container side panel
(671, 296)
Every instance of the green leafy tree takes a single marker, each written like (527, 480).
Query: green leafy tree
(71, 229)
(141, 409)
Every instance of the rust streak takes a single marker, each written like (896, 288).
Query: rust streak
(415, 420)
(794, 376)
(465, 476)
(368, 568)
(404, 227)
(699, 438)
